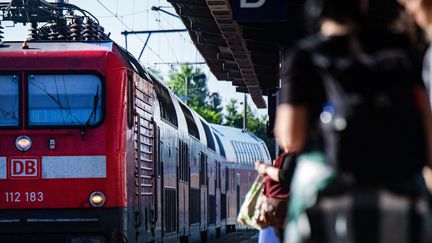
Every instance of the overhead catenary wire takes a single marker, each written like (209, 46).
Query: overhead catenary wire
(133, 16)
(117, 1)
(113, 14)
(146, 40)
(168, 42)
(172, 26)
(125, 15)
(130, 29)
(189, 41)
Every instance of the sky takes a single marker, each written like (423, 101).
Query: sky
(135, 15)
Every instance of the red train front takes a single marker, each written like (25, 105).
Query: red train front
(61, 146)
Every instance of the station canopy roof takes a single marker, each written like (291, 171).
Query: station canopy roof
(244, 52)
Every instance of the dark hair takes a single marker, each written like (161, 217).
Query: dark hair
(379, 12)
(385, 11)
(339, 10)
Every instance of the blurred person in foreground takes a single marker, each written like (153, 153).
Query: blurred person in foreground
(421, 11)
(356, 87)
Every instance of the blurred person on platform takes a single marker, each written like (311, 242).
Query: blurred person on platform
(421, 11)
(356, 87)
(273, 207)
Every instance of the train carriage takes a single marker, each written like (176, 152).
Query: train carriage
(242, 149)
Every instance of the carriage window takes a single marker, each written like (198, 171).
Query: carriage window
(64, 100)
(203, 169)
(192, 127)
(250, 152)
(221, 147)
(238, 153)
(227, 180)
(266, 150)
(218, 174)
(235, 151)
(183, 161)
(9, 101)
(208, 133)
(259, 153)
(167, 110)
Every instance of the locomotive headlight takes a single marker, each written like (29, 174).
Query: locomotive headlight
(23, 143)
(97, 199)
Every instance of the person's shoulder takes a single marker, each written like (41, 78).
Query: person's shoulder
(396, 52)
(374, 41)
(303, 48)
(309, 43)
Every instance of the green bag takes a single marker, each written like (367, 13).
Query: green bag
(249, 211)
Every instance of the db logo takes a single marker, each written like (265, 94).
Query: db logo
(24, 168)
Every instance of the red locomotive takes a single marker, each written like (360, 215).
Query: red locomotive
(93, 148)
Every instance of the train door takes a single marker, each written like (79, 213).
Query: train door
(203, 191)
(231, 199)
(183, 187)
(195, 194)
(158, 180)
(238, 191)
(211, 189)
(144, 166)
(170, 186)
(160, 184)
(218, 198)
(224, 195)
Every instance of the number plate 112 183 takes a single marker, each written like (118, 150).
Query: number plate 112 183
(20, 197)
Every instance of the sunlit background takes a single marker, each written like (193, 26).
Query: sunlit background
(163, 51)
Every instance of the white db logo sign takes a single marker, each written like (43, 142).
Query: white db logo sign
(24, 168)
(253, 4)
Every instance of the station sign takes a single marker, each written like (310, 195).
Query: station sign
(259, 10)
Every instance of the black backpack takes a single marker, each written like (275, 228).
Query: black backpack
(371, 124)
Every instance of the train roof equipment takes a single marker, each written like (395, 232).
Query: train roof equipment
(52, 21)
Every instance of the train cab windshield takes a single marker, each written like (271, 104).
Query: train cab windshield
(64, 100)
(9, 100)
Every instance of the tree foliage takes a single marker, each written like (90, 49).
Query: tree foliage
(232, 117)
(190, 85)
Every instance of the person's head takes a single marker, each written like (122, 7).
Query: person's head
(420, 10)
(341, 11)
(363, 13)
(344, 12)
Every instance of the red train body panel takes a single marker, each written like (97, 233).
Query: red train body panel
(105, 140)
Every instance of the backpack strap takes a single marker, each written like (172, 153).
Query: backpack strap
(333, 89)
(336, 95)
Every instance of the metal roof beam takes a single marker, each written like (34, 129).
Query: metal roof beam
(195, 13)
(221, 56)
(206, 28)
(235, 74)
(212, 40)
(242, 90)
(230, 66)
(189, 2)
(238, 82)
